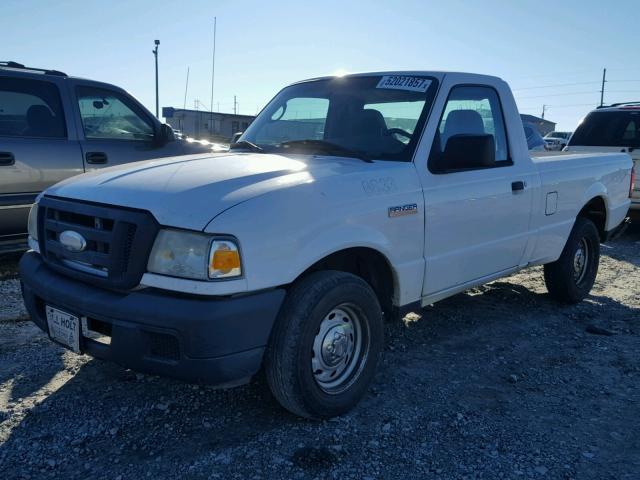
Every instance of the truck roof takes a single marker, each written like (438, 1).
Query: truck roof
(439, 74)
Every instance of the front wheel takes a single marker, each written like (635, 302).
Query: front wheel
(570, 278)
(324, 348)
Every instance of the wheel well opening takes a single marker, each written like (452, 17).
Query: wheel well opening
(368, 264)
(596, 211)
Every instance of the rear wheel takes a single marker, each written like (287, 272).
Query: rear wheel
(324, 347)
(570, 278)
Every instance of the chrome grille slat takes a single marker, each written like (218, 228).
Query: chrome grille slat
(89, 258)
(88, 233)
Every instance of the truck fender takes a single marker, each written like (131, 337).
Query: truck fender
(597, 189)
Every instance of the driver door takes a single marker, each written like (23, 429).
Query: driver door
(115, 129)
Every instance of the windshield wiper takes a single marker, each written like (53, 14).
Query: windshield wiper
(326, 147)
(246, 144)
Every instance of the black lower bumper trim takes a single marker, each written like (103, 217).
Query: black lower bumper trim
(204, 339)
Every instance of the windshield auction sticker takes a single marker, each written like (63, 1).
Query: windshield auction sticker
(400, 82)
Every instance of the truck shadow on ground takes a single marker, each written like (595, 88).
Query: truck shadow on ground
(112, 416)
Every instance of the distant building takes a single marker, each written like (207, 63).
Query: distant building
(200, 124)
(544, 126)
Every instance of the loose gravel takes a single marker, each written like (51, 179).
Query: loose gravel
(499, 382)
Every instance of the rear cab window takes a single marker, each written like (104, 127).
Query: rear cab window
(30, 108)
(620, 128)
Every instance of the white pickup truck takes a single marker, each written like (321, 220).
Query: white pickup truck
(348, 200)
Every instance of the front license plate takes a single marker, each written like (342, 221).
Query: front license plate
(64, 328)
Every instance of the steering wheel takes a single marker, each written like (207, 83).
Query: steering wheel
(399, 131)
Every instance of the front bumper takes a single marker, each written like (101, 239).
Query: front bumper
(209, 340)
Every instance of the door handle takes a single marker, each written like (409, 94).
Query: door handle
(517, 186)
(96, 157)
(6, 159)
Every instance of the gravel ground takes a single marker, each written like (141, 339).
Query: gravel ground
(11, 306)
(498, 382)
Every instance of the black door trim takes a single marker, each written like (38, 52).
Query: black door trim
(17, 200)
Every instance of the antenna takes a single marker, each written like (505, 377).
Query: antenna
(186, 87)
(213, 73)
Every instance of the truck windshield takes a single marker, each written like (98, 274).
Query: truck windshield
(376, 117)
(609, 129)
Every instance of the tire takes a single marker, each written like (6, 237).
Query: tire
(565, 281)
(295, 366)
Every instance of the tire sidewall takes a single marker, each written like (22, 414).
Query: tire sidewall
(363, 301)
(587, 230)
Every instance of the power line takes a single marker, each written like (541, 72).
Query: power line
(554, 75)
(561, 94)
(558, 106)
(556, 85)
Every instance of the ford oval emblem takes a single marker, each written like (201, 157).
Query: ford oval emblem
(73, 241)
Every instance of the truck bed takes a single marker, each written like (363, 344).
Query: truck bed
(568, 181)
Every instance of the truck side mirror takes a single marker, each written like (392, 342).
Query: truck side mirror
(236, 136)
(469, 151)
(165, 135)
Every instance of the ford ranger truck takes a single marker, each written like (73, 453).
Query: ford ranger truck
(348, 200)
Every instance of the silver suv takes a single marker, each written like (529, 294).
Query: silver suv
(53, 126)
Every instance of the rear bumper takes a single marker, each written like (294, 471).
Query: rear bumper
(209, 340)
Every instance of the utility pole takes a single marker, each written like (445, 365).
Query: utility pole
(604, 80)
(235, 105)
(544, 109)
(155, 54)
(213, 75)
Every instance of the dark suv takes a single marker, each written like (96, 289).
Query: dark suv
(53, 126)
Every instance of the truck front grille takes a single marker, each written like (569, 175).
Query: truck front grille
(115, 241)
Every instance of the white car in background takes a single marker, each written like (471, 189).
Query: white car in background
(557, 140)
(615, 128)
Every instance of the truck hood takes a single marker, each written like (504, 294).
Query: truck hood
(189, 191)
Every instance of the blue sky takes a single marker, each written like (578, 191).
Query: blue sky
(261, 46)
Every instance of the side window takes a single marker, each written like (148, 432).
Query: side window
(30, 108)
(107, 114)
(299, 119)
(470, 111)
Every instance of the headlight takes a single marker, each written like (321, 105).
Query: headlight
(32, 223)
(194, 255)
